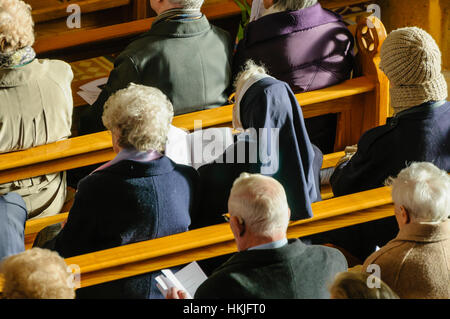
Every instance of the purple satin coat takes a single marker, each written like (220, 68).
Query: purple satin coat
(309, 48)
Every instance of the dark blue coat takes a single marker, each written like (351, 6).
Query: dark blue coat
(268, 104)
(13, 215)
(126, 203)
(418, 134)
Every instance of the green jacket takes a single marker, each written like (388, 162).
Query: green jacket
(188, 60)
(294, 271)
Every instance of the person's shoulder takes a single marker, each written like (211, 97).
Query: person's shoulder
(331, 257)
(373, 135)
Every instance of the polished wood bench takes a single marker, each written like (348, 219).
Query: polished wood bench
(146, 256)
(34, 226)
(54, 36)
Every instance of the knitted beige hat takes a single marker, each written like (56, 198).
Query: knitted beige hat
(411, 60)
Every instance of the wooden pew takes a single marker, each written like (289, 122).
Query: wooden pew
(142, 257)
(105, 30)
(361, 103)
(34, 226)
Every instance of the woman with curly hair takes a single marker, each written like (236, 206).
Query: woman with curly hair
(37, 274)
(36, 103)
(140, 195)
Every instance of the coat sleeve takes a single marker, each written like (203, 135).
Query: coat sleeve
(81, 227)
(124, 73)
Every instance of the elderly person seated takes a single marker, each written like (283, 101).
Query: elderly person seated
(419, 131)
(416, 263)
(36, 103)
(268, 265)
(37, 274)
(139, 195)
(304, 45)
(273, 141)
(13, 215)
(360, 285)
(182, 54)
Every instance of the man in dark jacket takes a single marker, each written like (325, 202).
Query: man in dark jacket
(304, 45)
(184, 56)
(268, 265)
(419, 131)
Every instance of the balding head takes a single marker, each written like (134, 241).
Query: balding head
(261, 202)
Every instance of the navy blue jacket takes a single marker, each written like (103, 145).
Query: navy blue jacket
(126, 203)
(13, 215)
(418, 134)
(268, 104)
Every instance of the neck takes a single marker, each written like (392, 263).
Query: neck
(252, 241)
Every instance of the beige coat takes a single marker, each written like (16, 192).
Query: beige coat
(416, 264)
(36, 108)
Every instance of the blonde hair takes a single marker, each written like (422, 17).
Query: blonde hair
(16, 25)
(36, 274)
(249, 70)
(353, 285)
(141, 117)
(261, 202)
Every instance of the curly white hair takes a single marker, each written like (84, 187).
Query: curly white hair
(140, 115)
(16, 25)
(36, 274)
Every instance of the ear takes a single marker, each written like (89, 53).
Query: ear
(404, 215)
(237, 226)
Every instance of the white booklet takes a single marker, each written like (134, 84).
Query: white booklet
(188, 279)
(199, 147)
(91, 90)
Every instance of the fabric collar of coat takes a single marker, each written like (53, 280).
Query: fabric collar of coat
(24, 74)
(425, 233)
(179, 28)
(133, 169)
(287, 22)
(271, 104)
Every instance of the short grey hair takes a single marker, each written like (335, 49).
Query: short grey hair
(141, 116)
(188, 4)
(261, 202)
(424, 191)
(293, 5)
(16, 26)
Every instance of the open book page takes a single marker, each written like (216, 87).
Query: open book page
(199, 147)
(208, 144)
(91, 90)
(177, 147)
(189, 278)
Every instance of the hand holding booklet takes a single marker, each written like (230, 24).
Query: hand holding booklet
(187, 279)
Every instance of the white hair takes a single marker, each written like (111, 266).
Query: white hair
(249, 70)
(188, 4)
(37, 274)
(424, 191)
(141, 117)
(261, 202)
(293, 5)
(16, 25)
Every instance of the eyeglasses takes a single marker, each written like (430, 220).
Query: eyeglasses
(232, 98)
(227, 217)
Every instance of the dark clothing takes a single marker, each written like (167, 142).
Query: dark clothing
(418, 134)
(309, 49)
(268, 104)
(189, 60)
(13, 216)
(126, 203)
(294, 271)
